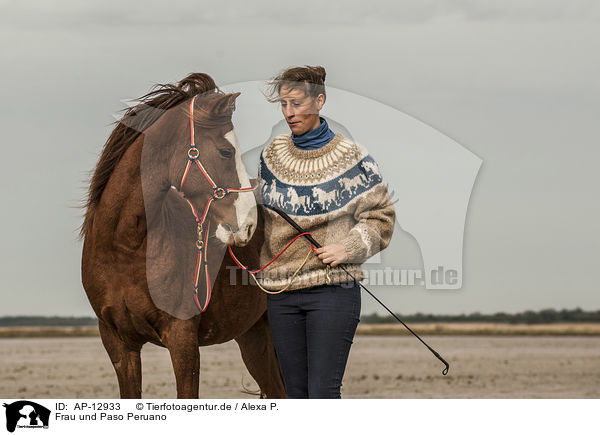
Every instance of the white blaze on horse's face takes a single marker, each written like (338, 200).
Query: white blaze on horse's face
(245, 204)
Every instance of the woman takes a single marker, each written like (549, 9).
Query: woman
(332, 187)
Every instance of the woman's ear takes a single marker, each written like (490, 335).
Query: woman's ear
(320, 100)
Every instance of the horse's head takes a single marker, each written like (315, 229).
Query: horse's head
(211, 170)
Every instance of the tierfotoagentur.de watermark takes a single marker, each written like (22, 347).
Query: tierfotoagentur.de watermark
(386, 276)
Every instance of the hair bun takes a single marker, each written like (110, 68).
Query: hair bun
(320, 71)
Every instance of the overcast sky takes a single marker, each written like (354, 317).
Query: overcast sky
(516, 83)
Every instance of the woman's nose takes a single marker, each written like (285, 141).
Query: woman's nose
(288, 112)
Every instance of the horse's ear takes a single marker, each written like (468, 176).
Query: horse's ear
(226, 105)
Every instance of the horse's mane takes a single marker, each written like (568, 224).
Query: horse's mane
(133, 123)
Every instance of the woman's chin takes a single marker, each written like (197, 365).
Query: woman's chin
(297, 130)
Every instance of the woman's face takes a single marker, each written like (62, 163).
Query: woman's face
(300, 111)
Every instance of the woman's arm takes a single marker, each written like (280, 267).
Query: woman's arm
(375, 216)
(370, 235)
(373, 232)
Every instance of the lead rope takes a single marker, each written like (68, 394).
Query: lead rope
(201, 241)
(253, 272)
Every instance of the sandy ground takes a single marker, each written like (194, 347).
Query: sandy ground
(378, 367)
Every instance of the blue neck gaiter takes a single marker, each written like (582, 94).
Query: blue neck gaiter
(314, 138)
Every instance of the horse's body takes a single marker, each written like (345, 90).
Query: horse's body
(139, 245)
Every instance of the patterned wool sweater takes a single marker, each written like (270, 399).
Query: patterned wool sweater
(336, 193)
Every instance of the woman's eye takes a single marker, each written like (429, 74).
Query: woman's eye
(226, 153)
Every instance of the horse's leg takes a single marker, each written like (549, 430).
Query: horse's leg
(126, 361)
(182, 341)
(258, 353)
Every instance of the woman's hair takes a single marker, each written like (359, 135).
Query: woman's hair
(310, 79)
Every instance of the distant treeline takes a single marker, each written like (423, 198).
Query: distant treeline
(528, 317)
(47, 321)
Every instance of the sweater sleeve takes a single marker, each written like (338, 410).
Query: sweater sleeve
(375, 215)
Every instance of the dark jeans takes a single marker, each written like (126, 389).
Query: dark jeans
(312, 330)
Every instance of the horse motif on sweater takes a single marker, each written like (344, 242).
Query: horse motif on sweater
(352, 184)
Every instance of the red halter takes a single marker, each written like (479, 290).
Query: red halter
(218, 193)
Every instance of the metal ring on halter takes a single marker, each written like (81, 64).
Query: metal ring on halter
(220, 193)
(193, 153)
(199, 244)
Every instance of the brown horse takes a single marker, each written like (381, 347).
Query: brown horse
(139, 257)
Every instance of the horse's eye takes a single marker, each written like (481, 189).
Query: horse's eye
(226, 153)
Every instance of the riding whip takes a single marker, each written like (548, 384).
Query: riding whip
(314, 242)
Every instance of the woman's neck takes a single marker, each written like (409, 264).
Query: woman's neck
(315, 138)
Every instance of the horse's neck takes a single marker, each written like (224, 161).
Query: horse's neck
(120, 214)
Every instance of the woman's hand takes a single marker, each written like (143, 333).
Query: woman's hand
(334, 253)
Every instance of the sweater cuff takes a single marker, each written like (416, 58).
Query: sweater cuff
(355, 247)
